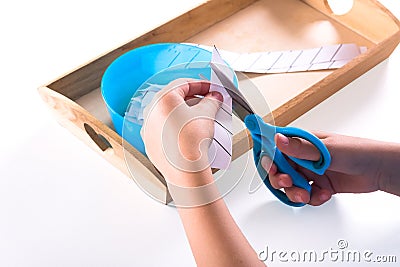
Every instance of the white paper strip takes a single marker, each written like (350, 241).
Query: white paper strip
(319, 58)
(220, 153)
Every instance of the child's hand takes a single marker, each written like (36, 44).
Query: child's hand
(356, 167)
(179, 127)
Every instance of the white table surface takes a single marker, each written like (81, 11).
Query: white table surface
(61, 204)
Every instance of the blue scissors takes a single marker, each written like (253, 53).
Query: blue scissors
(263, 134)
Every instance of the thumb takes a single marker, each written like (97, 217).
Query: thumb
(211, 103)
(296, 147)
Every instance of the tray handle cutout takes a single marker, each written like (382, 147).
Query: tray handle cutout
(339, 7)
(99, 139)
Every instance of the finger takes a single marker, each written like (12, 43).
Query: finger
(321, 134)
(323, 182)
(277, 180)
(296, 194)
(211, 103)
(280, 180)
(283, 180)
(176, 92)
(192, 100)
(319, 195)
(268, 165)
(296, 147)
(190, 87)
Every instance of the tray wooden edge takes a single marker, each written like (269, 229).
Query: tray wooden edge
(104, 141)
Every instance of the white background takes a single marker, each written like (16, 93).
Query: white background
(61, 204)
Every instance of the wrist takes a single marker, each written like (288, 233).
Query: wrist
(188, 179)
(192, 189)
(389, 176)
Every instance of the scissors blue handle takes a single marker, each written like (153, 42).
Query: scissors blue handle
(264, 145)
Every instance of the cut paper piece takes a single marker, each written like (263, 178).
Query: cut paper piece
(286, 60)
(229, 56)
(139, 101)
(325, 54)
(266, 61)
(346, 51)
(321, 66)
(245, 61)
(306, 57)
(319, 58)
(338, 64)
(220, 153)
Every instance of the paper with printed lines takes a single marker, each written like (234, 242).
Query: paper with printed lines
(319, 58)
(220, 151)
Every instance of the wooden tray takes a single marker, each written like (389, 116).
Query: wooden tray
(241, 26)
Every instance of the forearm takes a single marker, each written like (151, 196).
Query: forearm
(214, 237)
(389, 175)
(367, 158)
(382, 159)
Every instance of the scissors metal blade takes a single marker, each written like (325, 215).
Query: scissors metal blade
(239, 104)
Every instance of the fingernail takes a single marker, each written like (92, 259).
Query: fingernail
(217, 95)
(324, 197)
(298, 198)
(281, 183)
(283, 139)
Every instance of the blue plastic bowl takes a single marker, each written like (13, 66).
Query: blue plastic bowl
(128, 72)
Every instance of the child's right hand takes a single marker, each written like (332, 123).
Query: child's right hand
(356, 167)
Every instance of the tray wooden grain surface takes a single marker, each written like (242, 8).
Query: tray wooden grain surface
(240, 26)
